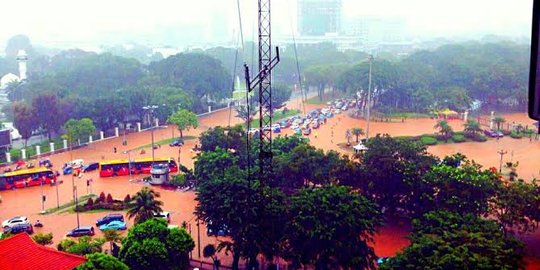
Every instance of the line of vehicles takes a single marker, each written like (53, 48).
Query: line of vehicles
(303, 125)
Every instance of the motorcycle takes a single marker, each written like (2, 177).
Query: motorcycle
(38, 224)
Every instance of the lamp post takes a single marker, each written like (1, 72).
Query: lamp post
(128, 152)
(151, 109)
(369, 96)
(76, 206)
(502, 153)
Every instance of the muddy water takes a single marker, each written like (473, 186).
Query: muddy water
(390, 239)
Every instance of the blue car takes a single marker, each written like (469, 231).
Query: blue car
(329, 115)
(67, 170)
(114, 225)
(91, 167)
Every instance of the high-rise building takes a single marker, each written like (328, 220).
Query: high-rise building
(319, 17)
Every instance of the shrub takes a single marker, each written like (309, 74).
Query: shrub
(428, 140)
(43, 239)
(506, 132)
(127, 199)
(178, 180)
(109, 199)
(443, 137)
(89, 202)
(458, 138)
(515, 135)
(479, 138)
(101, 197)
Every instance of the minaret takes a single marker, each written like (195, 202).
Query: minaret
(22, 58)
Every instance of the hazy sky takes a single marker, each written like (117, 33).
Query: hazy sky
(91, 21)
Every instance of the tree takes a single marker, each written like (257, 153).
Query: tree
(23, 120)
(79, 129)
(184, 120)
(444, 129)
(280, 95)
(84, 245)
(248, 211)
(499, 120)
(321, 216)
(151, 243)
(102, 261)
(209, 251)
(516, 206)
(242, 112)
(472, 127)
(46, 108)
(43, 239)
(446, 240)
(145, 205)
(112, 236)
(357, 132)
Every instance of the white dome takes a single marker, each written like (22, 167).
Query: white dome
(7, 79)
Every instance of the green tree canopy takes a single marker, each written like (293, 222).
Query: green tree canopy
(184, 120)
(102, 261)
(145, 205)
(151, 243)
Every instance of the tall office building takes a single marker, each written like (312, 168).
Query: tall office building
(319, 17)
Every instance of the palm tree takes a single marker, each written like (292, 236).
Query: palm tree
(471, 127)
(357, 132)
(210, 251)
(112, 236)
(145, 205)
(444, 128)
(499, 120)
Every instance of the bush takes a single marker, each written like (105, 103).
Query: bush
(43, 239)
(89, 202)
(458, 138)
(428, 140)
(479, 138)
(178, 180)
(109, 199)
(101, 197)
(127, 199)
(443, 137)
(515, 135)
(506, 132)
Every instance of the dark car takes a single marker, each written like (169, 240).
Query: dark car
(91, 167)
(177, 142)
(19, 228)
(81, 231)
(491, 133)
(108, 218)
(67, 170)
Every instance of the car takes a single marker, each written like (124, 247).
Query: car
(81, 231)
(164, 215)
(177, 142)
(114, 225)
(306, 131)
(490, 133)
(315, 124)
(19, 228)
(337, 111)
(295, 126)
(14, 221)
(213, 230)
(276, 128)
(499, 133)
(91, 167)
(109, 218)
(67, 170)
(298, 131)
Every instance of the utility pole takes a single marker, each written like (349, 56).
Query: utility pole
(368, 116)
(502, 153)
(42, 196)
(76, 206)
(151, 109)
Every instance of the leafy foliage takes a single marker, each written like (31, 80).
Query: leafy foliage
(43, 239)
(102, 261)
(84, 245)
(145, 205)
(184, 120)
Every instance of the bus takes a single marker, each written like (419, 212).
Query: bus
(27, 178)
(120, 167)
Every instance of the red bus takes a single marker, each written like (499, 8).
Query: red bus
(27, 178)
(120, 167)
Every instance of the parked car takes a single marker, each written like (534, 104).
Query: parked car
(91, 167)
(114, 225)
(499, 133)
(297, 131)
(109, 218)
(14, 221)
(490, 133)
(329, 115)
(315, 124)
(177, 142)
(19, 228)
(284, 124)
(213, 230)
(164, 215)
(306, 131)
(276, 128)
(81, 231)
(67, 170)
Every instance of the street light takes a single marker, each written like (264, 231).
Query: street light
(151, 109)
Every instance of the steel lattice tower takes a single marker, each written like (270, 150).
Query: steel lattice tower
(265, 92)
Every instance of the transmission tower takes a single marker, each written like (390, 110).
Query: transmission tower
(263, 81)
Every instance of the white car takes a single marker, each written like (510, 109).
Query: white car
(295, 126)
(14, 221)
(164, 215)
